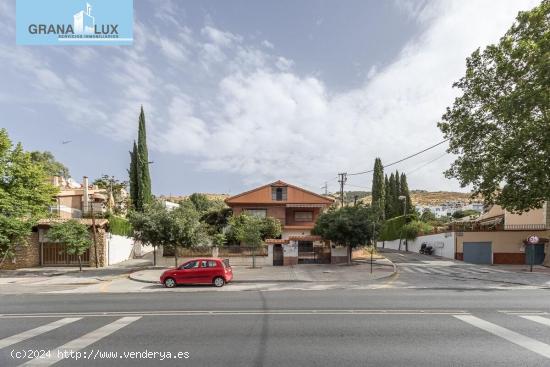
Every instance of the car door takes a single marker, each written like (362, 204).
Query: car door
(205, 272)
(187, 273)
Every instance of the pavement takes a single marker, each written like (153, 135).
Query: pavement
(359, 271)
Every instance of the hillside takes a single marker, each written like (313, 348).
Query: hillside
(421, 197)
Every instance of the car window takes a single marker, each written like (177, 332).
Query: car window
(191, 265)
(212, 264)
(204, 264)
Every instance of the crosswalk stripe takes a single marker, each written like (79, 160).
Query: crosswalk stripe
(496, 270)
(407, 270)
(439, 271)
(524, 341)
(82, 342)
(422, 270)
(539, 319)
(14, 339)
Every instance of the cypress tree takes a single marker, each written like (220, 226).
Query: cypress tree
(387, 198)
(144, 177)
(392, 196)
(132, 172)
(404, 186)
(397, 204)
(378, 190)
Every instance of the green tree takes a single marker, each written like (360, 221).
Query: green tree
(378, 189)
(144, 177)
(404, 187)
(74, 235)
(201, 202)
(388, 202)
(140, 178)
(349, 226)
(465, 213)
(427, 216)
(134, 179)
(175, 228)
(248, 230)
(117, 189)
(499, 126)
(51, 166)
(25, 195)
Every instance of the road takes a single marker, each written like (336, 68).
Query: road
(412, 319)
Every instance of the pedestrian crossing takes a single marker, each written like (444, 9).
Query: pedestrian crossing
(502, 328)
(461, 270)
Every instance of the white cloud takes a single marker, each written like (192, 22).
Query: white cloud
(274, 124)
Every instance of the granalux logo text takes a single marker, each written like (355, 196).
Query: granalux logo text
(70, 22)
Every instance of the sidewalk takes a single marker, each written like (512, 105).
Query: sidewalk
(71, 275)
(359, 271)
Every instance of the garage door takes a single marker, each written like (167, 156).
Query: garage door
(534, 253)
(478, 252)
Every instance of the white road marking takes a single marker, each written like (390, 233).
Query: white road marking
(523, 341)
(495, 270)
(82, 342)
(14, 339)
(439, 271)
(422, 270)
(539, 319)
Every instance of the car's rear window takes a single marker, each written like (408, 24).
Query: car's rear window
(226, 263)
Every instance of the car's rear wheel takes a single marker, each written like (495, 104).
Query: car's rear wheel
(169, 283)
(218, 282)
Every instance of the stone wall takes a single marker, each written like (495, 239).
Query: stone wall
(26, 256)
(101, 248)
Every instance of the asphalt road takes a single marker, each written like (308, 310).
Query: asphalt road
(441, 315)
(384, 327)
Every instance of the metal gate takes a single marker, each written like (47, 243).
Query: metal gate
(478, 252)
(538, 255)
(305, 252)
(54, 254)
(277, 255)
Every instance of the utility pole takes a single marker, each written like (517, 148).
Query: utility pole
(325, 187)
(342, 178)
(91, 207)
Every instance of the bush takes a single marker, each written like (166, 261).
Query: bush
(391, 229)
(120, 226)
(414, 229)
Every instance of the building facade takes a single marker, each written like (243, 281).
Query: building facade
(297, 209)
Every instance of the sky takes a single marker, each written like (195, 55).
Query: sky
(242, 93)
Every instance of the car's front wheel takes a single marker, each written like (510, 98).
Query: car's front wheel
(169, 283)
(218, 282)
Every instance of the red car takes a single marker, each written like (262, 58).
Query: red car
(199, 271)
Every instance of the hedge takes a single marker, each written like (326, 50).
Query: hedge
(391, 229)
(120, 226)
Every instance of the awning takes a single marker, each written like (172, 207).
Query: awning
(305, 238)
(276, 241)
(306, 205)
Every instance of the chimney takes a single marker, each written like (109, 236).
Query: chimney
(85, 195)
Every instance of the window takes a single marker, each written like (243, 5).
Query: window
(208, 264)
(258, 213)
(191, 265)
(279, 193)
(303, 216)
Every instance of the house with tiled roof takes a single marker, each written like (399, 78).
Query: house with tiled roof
(297, 209)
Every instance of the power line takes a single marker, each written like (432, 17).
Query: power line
(401, 160)
(425, 164)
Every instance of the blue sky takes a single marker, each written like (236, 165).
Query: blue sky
(241, 93)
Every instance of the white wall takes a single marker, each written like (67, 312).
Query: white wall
(443, 244)
(119, 248)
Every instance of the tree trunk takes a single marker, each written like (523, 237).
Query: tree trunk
(175, 257)
(154, 255)
(349, 255)
(400, 244)
(80, 262)
(253, 257)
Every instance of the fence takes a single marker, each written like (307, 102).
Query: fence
(225, 251)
